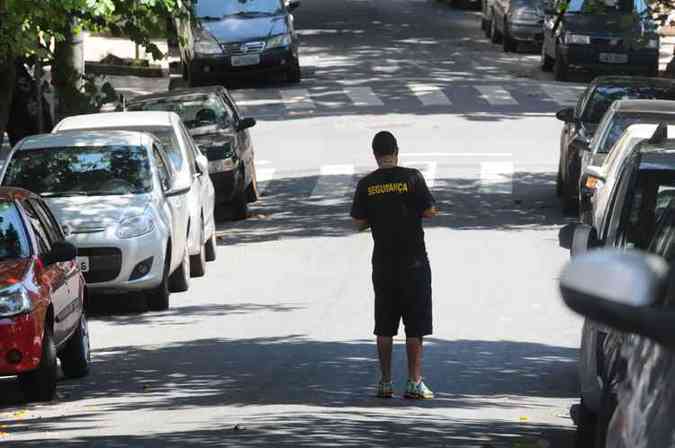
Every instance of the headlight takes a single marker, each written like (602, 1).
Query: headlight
(135, 226)
(653, 43)
(207, 45)
(578, 39)
(282, 40)
(14, 301)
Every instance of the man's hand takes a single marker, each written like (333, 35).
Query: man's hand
(361, 224)
(429, 213)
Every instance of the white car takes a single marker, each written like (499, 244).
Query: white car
(196, 207)
(113, 192)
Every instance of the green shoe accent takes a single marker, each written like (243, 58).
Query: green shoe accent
(385, 389)
(418, 391)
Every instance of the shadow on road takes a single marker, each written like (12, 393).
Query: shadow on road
(334, 377)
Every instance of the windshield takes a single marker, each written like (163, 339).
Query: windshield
(195, 110)
(81, 171)
(223, 8)
(604, 96)
(600, 7)
(621, 122)
(13, 240)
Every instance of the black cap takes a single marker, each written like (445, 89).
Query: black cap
(384, 144)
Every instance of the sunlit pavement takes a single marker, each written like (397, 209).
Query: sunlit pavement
(274, 347)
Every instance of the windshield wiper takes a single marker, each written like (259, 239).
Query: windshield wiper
(249, 13)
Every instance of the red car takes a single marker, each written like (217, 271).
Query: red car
(42, 295)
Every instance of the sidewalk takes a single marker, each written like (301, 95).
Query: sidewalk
(97, 47)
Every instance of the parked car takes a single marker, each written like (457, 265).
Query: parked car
(115, 193)
(42, 298)
(633, 292)
(639, 191)
(216, 125)
(601, 36)
(582, 120)
(227, 39)
(517, 21)
(620, 115)
(196, 206)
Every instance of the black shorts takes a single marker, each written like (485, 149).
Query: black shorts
(403, 290)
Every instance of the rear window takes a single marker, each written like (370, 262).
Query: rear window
(622, 121)
(603, 7)
(603, 97)
(13, 240)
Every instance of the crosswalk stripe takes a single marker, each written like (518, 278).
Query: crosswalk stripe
(297, 99)
(429, 95)
(496, 177)
(496, 95)
(363, 96)
(335, 181)
(565, 96)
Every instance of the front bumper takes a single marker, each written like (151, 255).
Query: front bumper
(20, 334)
(588, 57)
(526, 32)
(220, 66)
(112, 261)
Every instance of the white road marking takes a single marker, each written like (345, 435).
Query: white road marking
(496, 95)
(336, 170)
(332, 184)
(297, 99)
(363, 96)
(429, 95)
(496, 177)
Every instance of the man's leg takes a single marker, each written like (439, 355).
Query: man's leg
(414, 350)
(384, 349)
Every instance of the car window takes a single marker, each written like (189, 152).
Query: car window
(13, 238)
(218, 8)
(81, 171)
(615, 211)
(620, 122)
(196, 110)
(48, 220)
(604, 95)
(44, 244)
(162, 169)
(600, 7)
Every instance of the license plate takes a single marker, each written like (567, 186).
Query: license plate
(83, 263)
(614, 58)
(249, 59)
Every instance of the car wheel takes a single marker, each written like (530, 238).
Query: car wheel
(211, 248)
(559, 68)
(198, 262)
(586, 427)
(546, 61)
(240, 206)
(180, 279)
(158, 298)
(294, 74)
(76, 356)
(40, 384)
(495, 36)
(508, 44)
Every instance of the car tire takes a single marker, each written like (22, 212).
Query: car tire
(179, 281)
(198, 262)
(495, 36)
(252, 190)
(546, 61)
(586, 422)
(211, 248)
(240, 206)
(294, 74)
(75, 358)
(508, 43)
(40, 384)
(560, 68)
(159, 298)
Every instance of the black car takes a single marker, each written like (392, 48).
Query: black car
(225, 39)
(640, 215)
(582, 120)
(600, 36)
(517, 21)
(216, 125)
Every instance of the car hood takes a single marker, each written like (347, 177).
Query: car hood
(84, 214)
(603, 25)
(12, 271)
(242, 29)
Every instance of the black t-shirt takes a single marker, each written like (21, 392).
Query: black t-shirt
(393, 200)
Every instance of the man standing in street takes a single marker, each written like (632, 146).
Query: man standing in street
(392, 201)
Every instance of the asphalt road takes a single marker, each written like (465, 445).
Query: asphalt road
(274, 346)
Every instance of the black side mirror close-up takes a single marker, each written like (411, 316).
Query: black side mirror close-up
(62, 251)
(246, 123)
(566, 115)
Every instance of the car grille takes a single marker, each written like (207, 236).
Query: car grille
(105, 263)
(604, 43)
(244, 48)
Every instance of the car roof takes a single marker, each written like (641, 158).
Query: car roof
(632, 81)
(14, 193)
(84, 138)
(118, 119)
(177, 93)
(657, 106)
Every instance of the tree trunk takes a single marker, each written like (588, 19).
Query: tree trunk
(7, 82)
(67, 74)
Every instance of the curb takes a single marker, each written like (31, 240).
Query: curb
(96, 68)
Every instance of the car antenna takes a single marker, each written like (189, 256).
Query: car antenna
(660, 134)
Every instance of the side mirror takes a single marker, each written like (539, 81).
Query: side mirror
(566, 115)
(202, 164)
(62, 251)
(293, 5)
(246, 123)
(617, 288)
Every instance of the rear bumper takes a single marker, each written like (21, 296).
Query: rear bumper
(588, 57)
(214, 68)
(22, 334)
